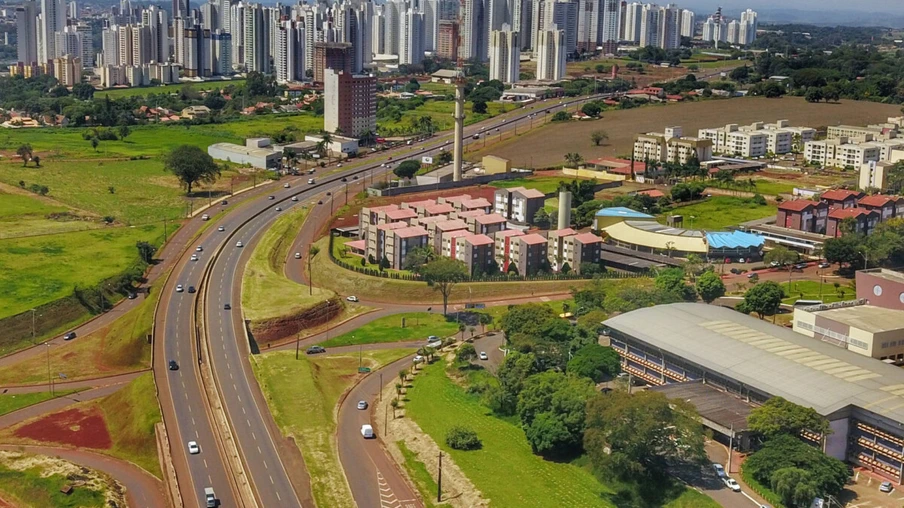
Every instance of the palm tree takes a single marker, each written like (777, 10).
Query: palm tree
(461, 328)
(403, 375)
(395, 405)
(484, 320)
(312, 251)
(573, 159)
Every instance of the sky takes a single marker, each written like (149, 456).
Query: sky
(889, 6)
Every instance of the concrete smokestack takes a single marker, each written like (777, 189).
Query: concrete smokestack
(564, 210)
(459, 129)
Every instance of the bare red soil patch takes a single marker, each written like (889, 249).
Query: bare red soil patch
(75, 427)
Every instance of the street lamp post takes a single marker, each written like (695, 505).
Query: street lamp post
(49, 377)
(33, 325)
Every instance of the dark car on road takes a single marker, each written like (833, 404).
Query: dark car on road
(173, 365)
(69, 336)
(313, 350)
(227, 307)
(191, 289)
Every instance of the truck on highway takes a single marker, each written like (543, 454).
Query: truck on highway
(210, 498)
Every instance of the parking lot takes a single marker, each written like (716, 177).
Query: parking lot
(864, 493)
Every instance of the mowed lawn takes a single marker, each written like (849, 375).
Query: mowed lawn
(441, 113)
(302, 396)
(142, 191)
(266, 291)
(10, 403)
(544, 184)
(29, 215)
(504, 470)
(117, 93)
(131, 415)
(811, 290)
(155, 139)
(418, 325)
(37, 270)
(719, 212)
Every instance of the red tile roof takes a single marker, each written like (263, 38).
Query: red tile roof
(508, 232)
(840, 194)
(653, 193)
(401, 214)
(411, 232)
(477, 240)
(532, 239)
(472, 213)
(588, 238)
(493, 218)
(843, 213)
(529, 193)
(450, 225)
(438, 208)
(878, 200)
(393, 225)
(475, 203)
(797, 205)
(452, 235)
(562, 232)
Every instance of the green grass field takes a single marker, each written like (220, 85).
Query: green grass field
(33, 481)
(811, 291)
(131, 414)
(10, 403)
(441, 113)
(25, 215)
(418, 325)
(155, 139)
(302, 396)
(418, 473)
(720, 212)
(544, 184)
(117, 348)
(772, 187)
(37, 270)
(118, 93)
(436, 404)
(266, 291)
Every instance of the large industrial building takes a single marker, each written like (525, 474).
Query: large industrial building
(752, 360)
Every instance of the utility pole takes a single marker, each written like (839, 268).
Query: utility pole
(33, 325)
(164, 230)
(297, 344)
(730, 446)
(49, 377)
(439, 480)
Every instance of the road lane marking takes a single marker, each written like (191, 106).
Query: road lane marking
(205, 463)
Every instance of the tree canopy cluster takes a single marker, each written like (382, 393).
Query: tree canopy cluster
(883, 247)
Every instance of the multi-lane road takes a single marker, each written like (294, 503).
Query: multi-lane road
(183, 397)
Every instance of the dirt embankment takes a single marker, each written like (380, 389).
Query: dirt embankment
(272, 330)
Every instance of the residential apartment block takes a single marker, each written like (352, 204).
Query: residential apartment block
(671, 146)
(528, 253)
(865, 221)
(756, 139)
(888, 207)
(475, 251)
(803, 215)
(503, 246)
(840, 153)
(841, 198)
(517, 204)
(861, 134)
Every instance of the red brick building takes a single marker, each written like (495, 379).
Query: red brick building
(803, 215)
(841, 198)
(332, 55)
(865, 220)
(887, 206)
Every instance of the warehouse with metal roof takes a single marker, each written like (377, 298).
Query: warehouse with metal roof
(862, 398)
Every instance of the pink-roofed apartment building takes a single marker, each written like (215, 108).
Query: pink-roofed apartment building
(454, 200)
(555, 248)
(865, 221)
(400, 242)
(518, 204)
(447, 242)
(475, 251)
(803, 215)
(474, 204)
(436, 230)
(370, 216)
(503, 246)
(465, 215)
(528, 254)
(486, 224)
(841, 198)
(887, 206)
(582, 248)
(376, 240)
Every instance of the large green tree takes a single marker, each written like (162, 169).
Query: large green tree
(595, 362)
(191, 165)
(671, 280)
(710, 287)
(764, 299)
(443, 274)
(551, 408)
(514, 370)
(827, 473)
(633, 435)
(407, 169)
(795, 486)
(779, 416)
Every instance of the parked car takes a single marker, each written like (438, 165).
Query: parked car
(193, 448)
(824, 265)
(886, 487)
(735, 271)
(800, 266)
(731, 484)
(483, 355)
(418, 359)
(224, 202)
(752, 275)
(313, 350)
(351, 298)
(720, 471)
(173, 365)
(362, 404)
(69, 336)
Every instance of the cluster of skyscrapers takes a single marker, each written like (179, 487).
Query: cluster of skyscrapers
(141, 43)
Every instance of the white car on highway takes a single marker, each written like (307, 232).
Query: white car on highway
(221, 228)
(178, 288)
(239, 244)
(297, 255)
(731, 484)
(367, 431)
(194, 257)
(193, 448)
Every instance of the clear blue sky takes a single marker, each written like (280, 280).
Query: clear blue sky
(889, 6)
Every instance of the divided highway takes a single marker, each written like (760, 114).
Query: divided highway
(181, 391)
